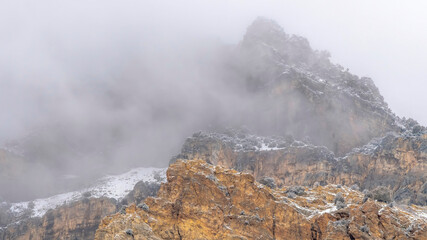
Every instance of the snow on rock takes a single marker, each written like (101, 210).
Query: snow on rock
(114, 186)
(242, 141)
(321, 200)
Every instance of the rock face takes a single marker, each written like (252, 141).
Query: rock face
(78, 220)
(201, 201)
(398, 162)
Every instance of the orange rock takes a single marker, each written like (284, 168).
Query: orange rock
(201, 201)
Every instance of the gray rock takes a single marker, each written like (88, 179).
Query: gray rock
(144, 207)
(129, 232)
(297, 190)
(268, 181)
(381, 194)
(364, 229)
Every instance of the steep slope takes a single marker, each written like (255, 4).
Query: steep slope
(201, 201)
(398, 162)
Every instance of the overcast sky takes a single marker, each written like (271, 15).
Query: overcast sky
(385, 40)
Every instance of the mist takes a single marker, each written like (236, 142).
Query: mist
(110, 85)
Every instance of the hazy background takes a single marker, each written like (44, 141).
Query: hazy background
(145, 70)
(381, 39)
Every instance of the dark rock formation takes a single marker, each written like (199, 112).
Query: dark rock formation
(141, 191)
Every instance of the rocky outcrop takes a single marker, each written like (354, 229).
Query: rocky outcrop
(396, 161)
(78, 220)
(202, 201)
(141, 191)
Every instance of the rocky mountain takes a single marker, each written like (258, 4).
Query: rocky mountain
(302, 93)
(202, 201)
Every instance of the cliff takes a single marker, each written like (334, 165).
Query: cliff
(396, 161)
(202, 201)
(77, 215)
(77, 220)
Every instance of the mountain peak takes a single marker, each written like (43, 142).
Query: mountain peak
(304, 82)
(265, 28)
(268, 36)
(265, 32)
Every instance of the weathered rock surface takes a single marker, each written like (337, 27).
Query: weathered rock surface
(201, 201)
(78, 220)
(398, 162)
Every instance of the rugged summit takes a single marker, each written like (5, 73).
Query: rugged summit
(306, 94)
(350, 135)
(202, 201)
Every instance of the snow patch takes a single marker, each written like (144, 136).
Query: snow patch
(114, 186)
